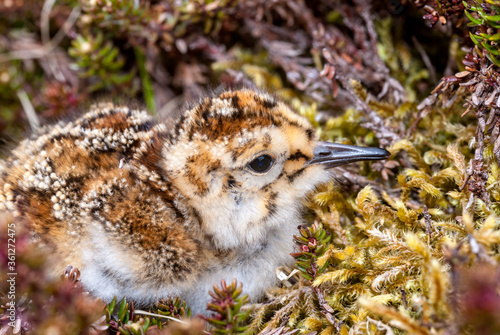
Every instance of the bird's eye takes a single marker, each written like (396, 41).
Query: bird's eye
(261, 164)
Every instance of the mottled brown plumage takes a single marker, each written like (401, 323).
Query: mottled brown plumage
(150, 210)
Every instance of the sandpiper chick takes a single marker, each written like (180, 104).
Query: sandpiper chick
(149, 210)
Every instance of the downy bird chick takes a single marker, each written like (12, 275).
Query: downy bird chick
(149, 210)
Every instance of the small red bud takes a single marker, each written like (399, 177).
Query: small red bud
(312, 243)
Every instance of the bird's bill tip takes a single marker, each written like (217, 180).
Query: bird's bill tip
(334, 154)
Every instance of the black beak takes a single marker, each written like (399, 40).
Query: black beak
(333, 154)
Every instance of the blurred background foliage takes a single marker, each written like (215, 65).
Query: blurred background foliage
(406, 245)
(68, 54)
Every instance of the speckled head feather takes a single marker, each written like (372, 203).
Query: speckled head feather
(208, 160)
(149, 211)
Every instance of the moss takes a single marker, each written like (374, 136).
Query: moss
(407, 245)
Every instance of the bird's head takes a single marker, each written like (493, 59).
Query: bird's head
(244, 161)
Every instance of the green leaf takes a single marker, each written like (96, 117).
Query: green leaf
(493, 59)
(122, 78)
(217, 322)
(114, 66)
(301, 268)
(112, 304)
(147, 86)
(490, 23)
(104, 50)
(489, 48)
(229, 313)
(123, 309)
(492, 18)
(322, 235)
(303, 239)
(473, 38)
(110, 57)
(495, 37)
(472, 18)
(474, 8)
(323, 267)
(306, 276)
(146, 324)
